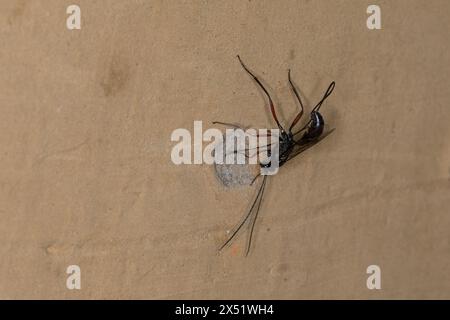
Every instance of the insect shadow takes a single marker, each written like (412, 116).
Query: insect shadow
(291, 143)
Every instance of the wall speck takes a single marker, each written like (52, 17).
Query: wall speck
(292, 54)
(18, 11)
(117, 76)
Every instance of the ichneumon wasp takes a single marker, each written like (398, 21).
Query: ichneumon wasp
(291, 144)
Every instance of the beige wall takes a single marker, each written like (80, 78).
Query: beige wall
(85, 170)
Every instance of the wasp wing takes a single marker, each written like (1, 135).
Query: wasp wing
(299, 148)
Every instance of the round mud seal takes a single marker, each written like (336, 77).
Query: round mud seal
(234, 175)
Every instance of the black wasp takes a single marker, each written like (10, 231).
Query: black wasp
(291, 144)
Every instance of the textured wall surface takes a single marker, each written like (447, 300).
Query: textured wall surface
(86, 176)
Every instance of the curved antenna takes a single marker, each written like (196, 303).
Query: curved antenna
(261, 189)
(326, 95)
(300, 114)
(272, 108)
(249, 243)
